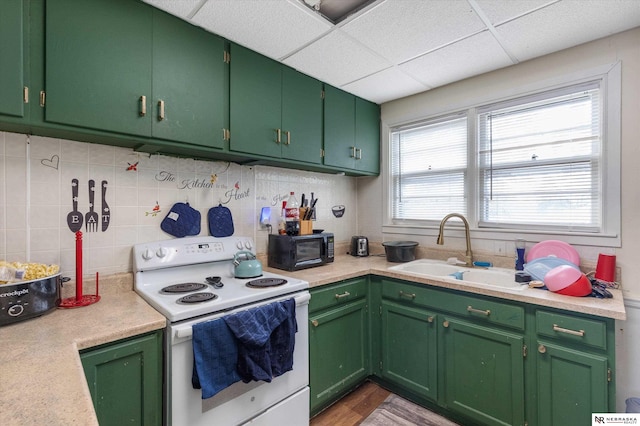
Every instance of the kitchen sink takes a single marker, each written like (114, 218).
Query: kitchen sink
(492, 277)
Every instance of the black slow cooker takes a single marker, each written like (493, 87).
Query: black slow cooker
(27, 299)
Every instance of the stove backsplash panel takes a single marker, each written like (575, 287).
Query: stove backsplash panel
(53, 188)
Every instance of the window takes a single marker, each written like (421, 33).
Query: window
(543, 163)
(429, 169)
(539, 161)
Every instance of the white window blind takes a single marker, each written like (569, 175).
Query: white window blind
(539, 161)
(429, 169)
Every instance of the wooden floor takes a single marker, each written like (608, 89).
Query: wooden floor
(353, 408)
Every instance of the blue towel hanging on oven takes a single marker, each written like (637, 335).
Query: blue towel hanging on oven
(215, 355)
(266, 339)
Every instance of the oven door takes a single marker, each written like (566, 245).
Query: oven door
(240, 402)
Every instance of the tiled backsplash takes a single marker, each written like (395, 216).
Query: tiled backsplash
(36, 199)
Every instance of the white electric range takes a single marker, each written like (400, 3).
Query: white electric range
(191, 280)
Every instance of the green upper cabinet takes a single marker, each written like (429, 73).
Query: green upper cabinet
(13, 24)
(101, 80)
(367, 136)
(275, 111)
(351, 132)
(190, 86)
(135, 70)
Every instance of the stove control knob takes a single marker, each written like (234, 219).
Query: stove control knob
(162, 252)
(239, 245)
(248, 245)
(147, 254)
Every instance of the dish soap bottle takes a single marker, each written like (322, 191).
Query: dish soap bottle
(520, 254)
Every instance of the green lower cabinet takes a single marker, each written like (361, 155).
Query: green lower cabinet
(571, 385)
(484, 373)
(125, 380)
(338, 356)
(339, 341)
(479, 360)
(415, 365)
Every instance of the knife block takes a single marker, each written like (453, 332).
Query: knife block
(306, 227)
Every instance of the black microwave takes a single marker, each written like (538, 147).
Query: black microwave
(294, 252)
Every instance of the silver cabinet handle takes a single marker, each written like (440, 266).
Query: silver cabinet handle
(315, 323)
(143, 106)
(445, 324)
(358, 154)
(353, 152)
(478, 311)
(278, 135)
(542, 349)
(568, 331)
(345, 294)
(430, 319)
(407, 295)
(160, 110)
(288, 142)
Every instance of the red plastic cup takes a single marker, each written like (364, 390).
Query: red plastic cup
(606, 268)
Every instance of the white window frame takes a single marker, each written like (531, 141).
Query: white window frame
(610, 76)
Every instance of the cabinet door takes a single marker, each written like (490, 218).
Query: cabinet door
(12, 71)
(301, 117)
(338, 352)
(97, 80)
(409, 348)
(367, 136)
(571, 385)
(125, 381)
(484, 373)
(189, 80)
(255, 103)
(339, 128)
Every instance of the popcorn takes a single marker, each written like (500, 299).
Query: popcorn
(11, 272)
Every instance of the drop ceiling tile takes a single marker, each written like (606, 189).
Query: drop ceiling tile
(337, 60)
(385, 86)
(403, 29)
(566, 24)
(271, 27)
(499, 11)
(182, 8)
(473, 56)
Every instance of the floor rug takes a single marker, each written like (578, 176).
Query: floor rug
(400, 412)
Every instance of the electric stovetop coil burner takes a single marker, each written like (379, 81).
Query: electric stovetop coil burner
(197, 297)
(183, 288)
(266, 282)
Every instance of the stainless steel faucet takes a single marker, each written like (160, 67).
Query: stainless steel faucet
(469, 255)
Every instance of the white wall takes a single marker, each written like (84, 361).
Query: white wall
(624, 47)
(35, 199)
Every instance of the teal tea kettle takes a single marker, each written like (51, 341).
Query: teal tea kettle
(246, 265)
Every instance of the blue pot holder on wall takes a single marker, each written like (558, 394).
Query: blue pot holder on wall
(220, 221)
(182, 220)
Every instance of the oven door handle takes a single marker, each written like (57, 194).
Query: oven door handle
(302, 299)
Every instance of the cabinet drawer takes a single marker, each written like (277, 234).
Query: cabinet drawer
(491, 311)
(337, 294)
(470, 307)
(592, 332)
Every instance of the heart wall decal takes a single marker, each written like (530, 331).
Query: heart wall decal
(53, 162)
